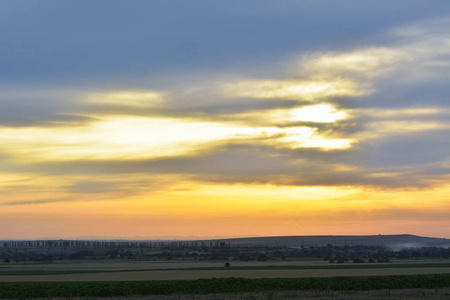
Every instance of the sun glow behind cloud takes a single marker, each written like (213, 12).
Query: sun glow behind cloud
(140, 137)
(321, 113)
(105, 136)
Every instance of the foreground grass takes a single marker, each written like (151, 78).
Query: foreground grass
(403, 294)
(219, 285)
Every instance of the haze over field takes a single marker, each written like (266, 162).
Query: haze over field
(165, 119)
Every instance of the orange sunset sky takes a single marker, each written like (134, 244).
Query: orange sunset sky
(205, 119)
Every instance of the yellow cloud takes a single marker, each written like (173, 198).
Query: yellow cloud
(185, 206)
(271, 192)
(361, 64)
(401, 113)
(28, 187)
(390, 122)
(292, 89)
(139, 137)
(138, 99)
(379, 129)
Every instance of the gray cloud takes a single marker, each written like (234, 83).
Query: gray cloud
(93, 187)
(34, 201)
(390, 159)
(246, 163)
(31, 106)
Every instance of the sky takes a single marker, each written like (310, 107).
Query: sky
(212, 119)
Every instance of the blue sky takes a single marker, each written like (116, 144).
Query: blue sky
(48, 42)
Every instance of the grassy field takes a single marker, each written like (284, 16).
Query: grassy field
(243, 280)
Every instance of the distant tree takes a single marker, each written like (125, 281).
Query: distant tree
(262, 257)
(244, 257)
(382, 260)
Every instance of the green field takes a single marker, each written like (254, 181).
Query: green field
(218, 285)
(302, 278)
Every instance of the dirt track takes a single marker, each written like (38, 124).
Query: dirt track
(148, 265)
(195, 274)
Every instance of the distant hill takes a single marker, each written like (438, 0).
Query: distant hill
(394, 242)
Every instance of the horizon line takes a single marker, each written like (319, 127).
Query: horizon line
(205, 238)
